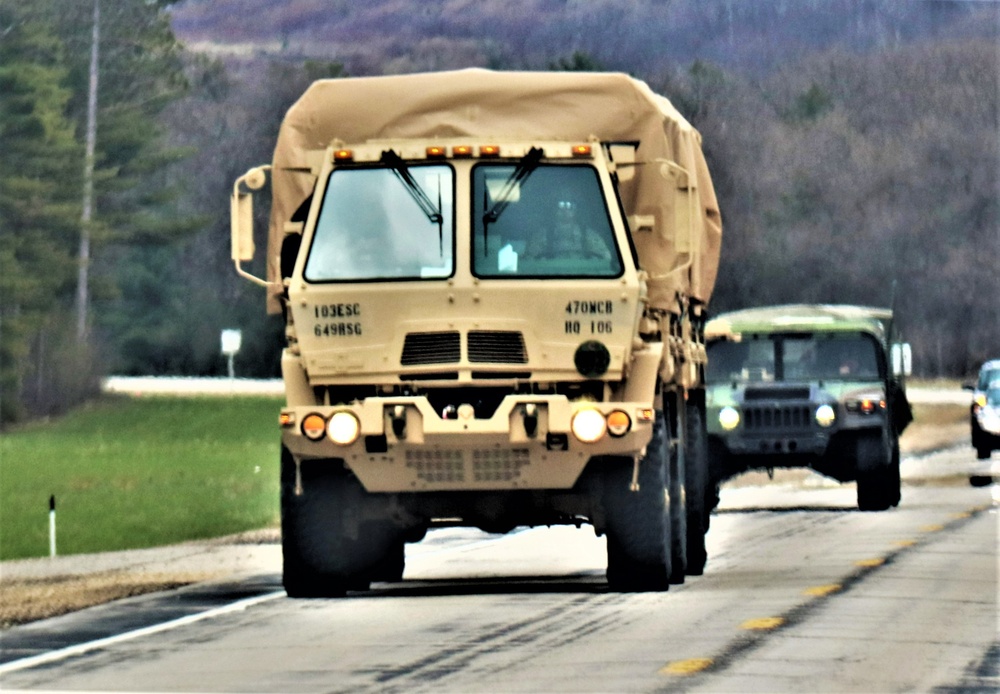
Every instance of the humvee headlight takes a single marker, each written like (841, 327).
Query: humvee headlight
(825, 415)
(589, 425)
(343, 428)
(314, 427)
(729, 418)
(619, 423)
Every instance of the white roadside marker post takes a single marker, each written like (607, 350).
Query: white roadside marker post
(52, 525)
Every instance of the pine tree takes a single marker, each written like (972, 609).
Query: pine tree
(40, 164)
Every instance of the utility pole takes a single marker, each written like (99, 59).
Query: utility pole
(83, 272)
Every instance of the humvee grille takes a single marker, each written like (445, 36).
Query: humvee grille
(497, 347)
(760, 417)
(431, 348)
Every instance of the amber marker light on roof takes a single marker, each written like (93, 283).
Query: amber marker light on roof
(343, 155)
(286, 419)
(489, 150)
(435, 152)
(461, 151)
(581, 150)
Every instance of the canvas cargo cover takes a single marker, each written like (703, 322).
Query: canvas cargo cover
(490, 105)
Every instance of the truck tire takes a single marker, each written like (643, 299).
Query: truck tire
(696, 488)
(676, 491)
(878, 474)
(324, 555)
(638, 530)
(390, 567)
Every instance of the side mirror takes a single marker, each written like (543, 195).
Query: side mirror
(241, 220)
(902, 359)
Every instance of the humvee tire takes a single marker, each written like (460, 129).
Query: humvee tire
(320, 558)
(878, 479)
(638, 522)
(696, 488)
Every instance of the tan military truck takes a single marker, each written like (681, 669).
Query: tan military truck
(493, 285)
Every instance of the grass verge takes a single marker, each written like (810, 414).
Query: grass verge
(140, 472)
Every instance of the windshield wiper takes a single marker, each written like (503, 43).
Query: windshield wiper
(402, 171)
(525, 166)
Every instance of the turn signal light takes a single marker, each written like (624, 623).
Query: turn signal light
(314, 427)
(619, 423)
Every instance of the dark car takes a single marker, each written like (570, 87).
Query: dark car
(985, 410)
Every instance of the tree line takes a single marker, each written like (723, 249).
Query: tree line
(846, 174)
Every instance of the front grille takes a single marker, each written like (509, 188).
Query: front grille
(778, 417)
(436, 465)
(444, 465)
(496, 347)
(431, 348)
(796, 393)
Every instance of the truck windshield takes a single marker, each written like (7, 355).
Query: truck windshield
(372, 227)
(762, 358)
(551, 223)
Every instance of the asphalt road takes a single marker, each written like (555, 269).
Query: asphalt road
(802, 593)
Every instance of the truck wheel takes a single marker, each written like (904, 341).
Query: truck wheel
(696, 488)
(322, 558)
(676, 491)
(638, 522)
(878, 478)
(390, 567)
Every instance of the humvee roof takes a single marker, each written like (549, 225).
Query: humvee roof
(801, 318)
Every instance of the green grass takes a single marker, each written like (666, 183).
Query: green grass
(140, 472)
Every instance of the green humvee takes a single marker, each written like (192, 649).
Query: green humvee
(818, 386)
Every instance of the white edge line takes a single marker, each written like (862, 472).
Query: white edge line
(69, 651)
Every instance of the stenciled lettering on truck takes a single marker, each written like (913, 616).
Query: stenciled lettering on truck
(595, 310)
(329, 320)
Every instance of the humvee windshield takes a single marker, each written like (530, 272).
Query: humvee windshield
(793, 357)
(372, 226)
(549, 221)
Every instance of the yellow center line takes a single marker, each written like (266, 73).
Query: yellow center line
(931, 528)
(905, 543)
(763, 623)
(820, 591)
(878, 561)
(963, 514)
(686, 667)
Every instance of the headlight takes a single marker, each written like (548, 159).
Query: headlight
(989, 419)
(589, 425)
(343, 428)
(729, 418)
(825, 415)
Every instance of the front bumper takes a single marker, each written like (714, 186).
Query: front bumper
(405, 445)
